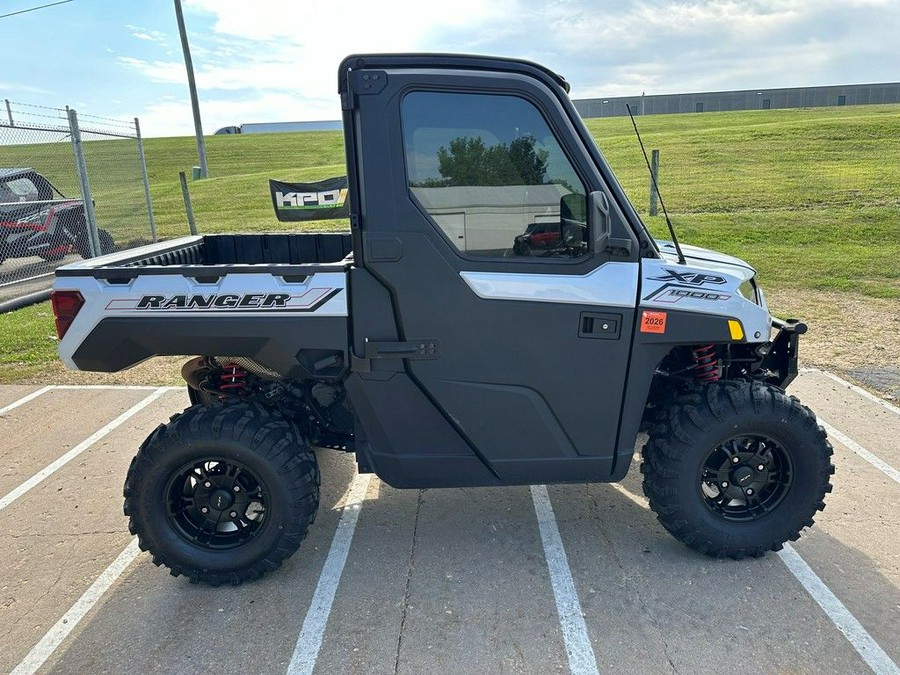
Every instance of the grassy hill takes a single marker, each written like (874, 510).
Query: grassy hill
(811, 197)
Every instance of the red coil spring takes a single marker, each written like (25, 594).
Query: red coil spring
(705, 367)
(232, 379)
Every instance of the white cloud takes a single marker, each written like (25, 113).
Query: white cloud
(173, 117)
(147, 35)
(18, 87)
(277, 59)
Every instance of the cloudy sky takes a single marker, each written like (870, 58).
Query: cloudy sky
(276, 60)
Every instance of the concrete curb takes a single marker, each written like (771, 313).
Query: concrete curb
(24, 301)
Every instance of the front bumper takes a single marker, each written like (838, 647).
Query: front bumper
(779, 357)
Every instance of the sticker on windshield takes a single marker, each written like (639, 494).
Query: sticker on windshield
(653, 322)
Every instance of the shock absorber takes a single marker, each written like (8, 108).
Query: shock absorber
(705, 366)
(233, 379)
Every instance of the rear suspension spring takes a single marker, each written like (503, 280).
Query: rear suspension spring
(233, 379)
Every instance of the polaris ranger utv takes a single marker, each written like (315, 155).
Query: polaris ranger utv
(439, 352)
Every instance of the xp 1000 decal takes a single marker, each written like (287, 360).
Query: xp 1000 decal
(687, 285)
(308, 301)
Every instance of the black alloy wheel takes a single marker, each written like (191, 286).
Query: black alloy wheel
(216, 503)
(746, 478)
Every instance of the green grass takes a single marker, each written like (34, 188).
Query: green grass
(27, 342)
(810, 197)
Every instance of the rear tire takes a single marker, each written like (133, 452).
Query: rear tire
(83, 246)
(107, 245)
(222, 494)
(737, 469)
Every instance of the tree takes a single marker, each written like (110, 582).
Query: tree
(468, 161)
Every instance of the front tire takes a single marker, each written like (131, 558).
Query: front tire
(737, 469)
(222, 494)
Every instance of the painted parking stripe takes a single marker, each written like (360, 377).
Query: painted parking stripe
(122, 387)
(61, 629)
(52, 468)
(840, 616)
(870, 457)
(859, 390)
(568, 607)
(309, 641)
(25, 399)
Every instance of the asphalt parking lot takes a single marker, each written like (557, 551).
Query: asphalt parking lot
(574, 578)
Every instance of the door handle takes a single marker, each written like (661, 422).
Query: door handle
(599, 326)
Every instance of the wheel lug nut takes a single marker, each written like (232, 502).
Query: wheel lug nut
(203, 509)
(724, 483)
(735, 459)
(749, 491)
(233, 514)
(761, 467)
(207, 484)
(237, 488)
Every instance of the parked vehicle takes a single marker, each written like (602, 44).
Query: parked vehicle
(443, 364)
(36, 219)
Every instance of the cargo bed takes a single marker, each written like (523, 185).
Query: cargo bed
(282, 254)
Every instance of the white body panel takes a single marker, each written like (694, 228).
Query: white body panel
(238, 294)
(613, 284)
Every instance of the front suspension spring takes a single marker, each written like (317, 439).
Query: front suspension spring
(706, 368)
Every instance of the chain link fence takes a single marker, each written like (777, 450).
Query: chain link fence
(71, 187)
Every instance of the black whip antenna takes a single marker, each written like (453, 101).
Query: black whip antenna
(681, 259)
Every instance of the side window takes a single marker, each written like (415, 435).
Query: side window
(489, 171)
(18, 190)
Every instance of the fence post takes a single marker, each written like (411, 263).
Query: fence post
(654, 181)
(187, 202)
(9, 113)
(140, 144)
(86, 198)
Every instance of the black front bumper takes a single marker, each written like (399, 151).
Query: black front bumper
(779, 357)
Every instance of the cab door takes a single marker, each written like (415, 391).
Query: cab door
(525, 334)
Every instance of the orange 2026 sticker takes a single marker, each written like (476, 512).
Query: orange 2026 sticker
(653, 322)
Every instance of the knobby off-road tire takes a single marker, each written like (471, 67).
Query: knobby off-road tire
(83, 247)
(737, 469)
(222, 494)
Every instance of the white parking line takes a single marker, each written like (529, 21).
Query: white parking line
(840, 616)
(12, 496)
(123, 387)
(77, 387)
(871, 458)
(306, 651)
(61, 629)
(568, 607)
(25, 399)
(859, 390)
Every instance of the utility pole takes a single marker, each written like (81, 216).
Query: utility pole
(195, 105)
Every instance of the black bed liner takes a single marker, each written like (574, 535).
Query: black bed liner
(297, 254)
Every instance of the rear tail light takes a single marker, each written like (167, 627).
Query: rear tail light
(66, 305)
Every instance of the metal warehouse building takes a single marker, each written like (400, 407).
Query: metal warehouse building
(750, 99)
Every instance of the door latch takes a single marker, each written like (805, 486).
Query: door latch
(599, 326)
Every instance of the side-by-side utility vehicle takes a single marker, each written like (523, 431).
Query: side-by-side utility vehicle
(438, 349)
